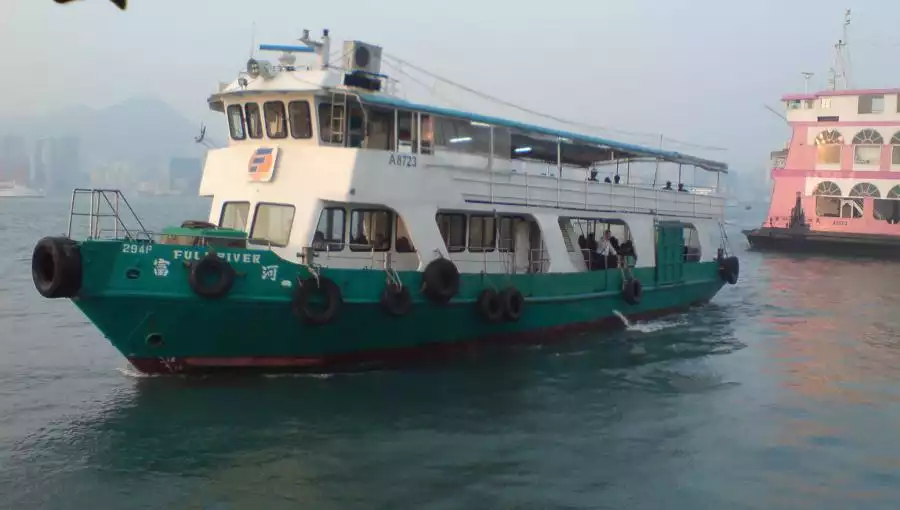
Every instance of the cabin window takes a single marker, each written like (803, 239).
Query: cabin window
(871, 103)
(453, 231)
(272, 224)
(507, 240)
(828, 147)
(403, 244)
(331, 132)
(370, 230)
(407, 132)
(463, 136)
(276, 121)
(482, 233)
(692, 251)
(234, 215)
(895, 149)
(427, 132)
(254, 122)
(867, 147)
(236, 122)
(301, 124)
(502, 143)
(330, 231)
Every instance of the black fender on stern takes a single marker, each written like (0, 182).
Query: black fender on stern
(396, 300)
(56, 267)
(632, 290)
(729, 269)
(513, 303)
(314, 313)
(489, 305)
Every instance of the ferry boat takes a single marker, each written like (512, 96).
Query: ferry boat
(837, 183)
(350, 226)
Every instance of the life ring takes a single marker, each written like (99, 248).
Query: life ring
(56, 267)
(312, 312)
(440, 281)
(396, 299)
(513, 302)
(489, 305)
(632, 291)
(729, 269)
(212, 277)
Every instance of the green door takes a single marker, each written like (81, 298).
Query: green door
(669, 254)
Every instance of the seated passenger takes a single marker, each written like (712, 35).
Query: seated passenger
(403, 245)
(668, 185)
(382, 242)
(607, 180)
(681, 187)
(617, 178)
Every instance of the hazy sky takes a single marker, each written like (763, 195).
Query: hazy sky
(697, 70)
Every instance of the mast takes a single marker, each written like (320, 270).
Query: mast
(840, 69)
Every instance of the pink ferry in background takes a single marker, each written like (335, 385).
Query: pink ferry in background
(837, 184)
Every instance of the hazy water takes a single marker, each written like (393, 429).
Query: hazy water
(781, 394)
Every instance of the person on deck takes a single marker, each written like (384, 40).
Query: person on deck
(606, 253)
(668, 185)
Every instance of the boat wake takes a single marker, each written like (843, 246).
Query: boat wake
(651, 326)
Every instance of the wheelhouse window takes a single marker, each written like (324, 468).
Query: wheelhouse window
(234, 215)
(301, 123)
(453, 231)
(828, 147)
(236, 122)
(458, 135)
(888, 209)
(692, 251)
(272, 224)
(427, 130)
(482, 233)
(330, 231)
(895, 148)
(403, 243)
(276, 121)
(407, 132)
(254, 122)
(380, 130)
(370, 230)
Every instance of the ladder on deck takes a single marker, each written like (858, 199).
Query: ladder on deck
(338, 118)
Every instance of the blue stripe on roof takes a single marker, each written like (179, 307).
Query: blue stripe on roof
(674, 157)
(285, 47)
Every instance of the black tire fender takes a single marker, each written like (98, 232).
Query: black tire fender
(632, 290)
(396, 299)
(309, 312)
(440, 281)
(513, 302)
(729, 269)
(211, 265)
(56, 267)
(489, 305)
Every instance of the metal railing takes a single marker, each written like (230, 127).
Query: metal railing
(109, 212)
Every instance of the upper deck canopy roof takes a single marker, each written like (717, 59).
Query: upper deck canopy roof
(835, 93)
(634, 150)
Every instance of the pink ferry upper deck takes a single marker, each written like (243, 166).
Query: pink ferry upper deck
(844, 161)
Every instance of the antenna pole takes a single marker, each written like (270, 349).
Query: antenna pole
(839, 72)
(806, 77)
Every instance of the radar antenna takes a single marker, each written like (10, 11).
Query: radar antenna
(840, 69)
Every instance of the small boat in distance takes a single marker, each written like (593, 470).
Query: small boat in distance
(837, 185)
(10, 189)
(350, 226)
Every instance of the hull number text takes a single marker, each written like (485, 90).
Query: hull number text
(405, 160)
(840, 222)
(136, 249)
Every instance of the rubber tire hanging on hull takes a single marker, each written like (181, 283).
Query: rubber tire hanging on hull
(330, 292)
(490, 307)
(211, 265)
(729, 269)
(513, 303)
(56, 267)
(440, 281)
(396, 300)
(632, 291)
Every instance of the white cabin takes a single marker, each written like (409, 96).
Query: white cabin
(319, 156)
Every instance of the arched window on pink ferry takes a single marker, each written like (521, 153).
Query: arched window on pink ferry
(828, 147)
(888, 209)
(895, 149)
(855, 204)
(828, 199)
(867, 147)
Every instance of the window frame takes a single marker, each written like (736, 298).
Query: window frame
(397, 220)
(512, 228)
(240, 109)
(235, 202)
(465, 231)
(309, 129)
(483, 218)
(284, 121)
(372, 248)
(330, 243)
(267, 242)
(247, 117)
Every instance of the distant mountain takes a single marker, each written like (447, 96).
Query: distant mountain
(144, 131)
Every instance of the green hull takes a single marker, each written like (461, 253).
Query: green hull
(148, 311)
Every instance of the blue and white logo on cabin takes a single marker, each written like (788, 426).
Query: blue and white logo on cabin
(262, 164)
